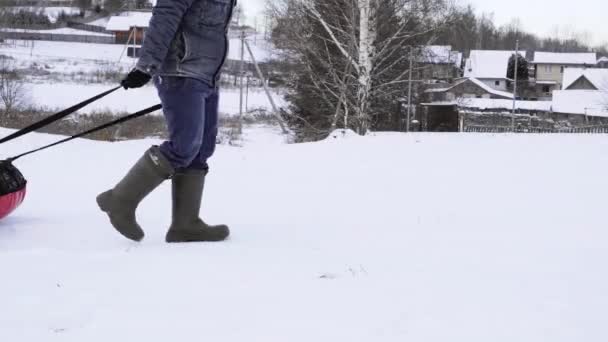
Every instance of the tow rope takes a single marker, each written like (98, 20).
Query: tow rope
(12, 182)
(96, 129)
(66, 112)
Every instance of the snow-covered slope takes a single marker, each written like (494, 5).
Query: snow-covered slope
(390, 237)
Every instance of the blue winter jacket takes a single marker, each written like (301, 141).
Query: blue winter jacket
(187, 38)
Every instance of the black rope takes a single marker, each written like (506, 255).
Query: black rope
(56, 117)
(99, 128)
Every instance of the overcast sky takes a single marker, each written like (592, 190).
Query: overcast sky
(538, 16)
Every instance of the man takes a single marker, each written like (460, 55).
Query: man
(184, 50)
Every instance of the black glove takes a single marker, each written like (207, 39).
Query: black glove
(135, 79)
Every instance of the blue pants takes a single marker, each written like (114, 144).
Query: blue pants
(190, 107)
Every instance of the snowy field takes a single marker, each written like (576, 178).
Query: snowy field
(57, 96)
(66, 57)
(61, 58)
(63, 30)
(76, 57)
(391, 237)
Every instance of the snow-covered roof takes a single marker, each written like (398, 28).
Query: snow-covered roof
(589, 58)
(127, 20)
(489, 64)
(490, 89)
(101, 22)
(440, 54)
(437, 90)
(590, 102)
(602, 60)
(477, 82)
(597, 77)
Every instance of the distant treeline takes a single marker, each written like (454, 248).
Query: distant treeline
(469, 31)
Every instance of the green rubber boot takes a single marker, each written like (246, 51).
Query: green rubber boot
(121, 202)
(187, 226)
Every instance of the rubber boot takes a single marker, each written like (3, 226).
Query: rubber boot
(121, 202)
(187, 226)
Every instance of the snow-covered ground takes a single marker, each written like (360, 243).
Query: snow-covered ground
(87, 57)
(55, 96)
(63, 30)
(67, 57)
(391, 237)
(73, 58)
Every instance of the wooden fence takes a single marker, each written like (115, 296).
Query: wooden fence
(77, 38)
(502, 129)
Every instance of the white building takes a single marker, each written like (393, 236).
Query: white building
(549, 67)
(585, 92)
(490, 67)
(585, 79)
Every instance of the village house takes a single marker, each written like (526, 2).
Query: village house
(440, 63)
(466, 89)
(602, 62)
(490, 67)
(586, 79)
(582, 102)
(585, 93)
(549, 68)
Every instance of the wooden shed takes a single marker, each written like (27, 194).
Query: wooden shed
(130, 27)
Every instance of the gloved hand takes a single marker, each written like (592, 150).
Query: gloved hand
(135, 79)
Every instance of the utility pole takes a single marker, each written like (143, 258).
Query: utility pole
(241, 72)
(515, 85)
(409, 93)
(255, 29)
(247, 96)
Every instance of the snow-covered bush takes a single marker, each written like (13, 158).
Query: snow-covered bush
(12, 88)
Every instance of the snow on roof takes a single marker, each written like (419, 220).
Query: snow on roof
(597, 77)
(589, 58)
(602, 60)
(440, 54)
(102, 22)
(490, 89)
(590, 102)
(127, 20)
(489, 63)
(437, 90)
(477, 82)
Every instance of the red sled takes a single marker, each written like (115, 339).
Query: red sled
(12, 189)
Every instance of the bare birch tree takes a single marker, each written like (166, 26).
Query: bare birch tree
(353, 55)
